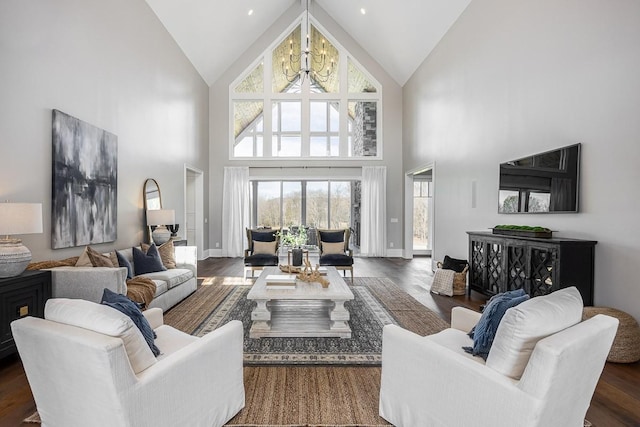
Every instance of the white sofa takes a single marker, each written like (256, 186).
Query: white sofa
(533, 376)
(88, 283)
(89, 365)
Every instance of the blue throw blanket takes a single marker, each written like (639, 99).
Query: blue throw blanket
(485, 331)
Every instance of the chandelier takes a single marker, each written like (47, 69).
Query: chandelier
(308, 63)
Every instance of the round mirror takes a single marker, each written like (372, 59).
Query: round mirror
(152, 199)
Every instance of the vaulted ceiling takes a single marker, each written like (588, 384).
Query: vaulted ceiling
(398, 34)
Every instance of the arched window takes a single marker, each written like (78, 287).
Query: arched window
(289, 105)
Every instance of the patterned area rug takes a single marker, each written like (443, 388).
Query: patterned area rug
(378, 301)
(367, 317)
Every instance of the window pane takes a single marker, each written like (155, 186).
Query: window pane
(539, 202)
(259, 146)
(358, 83)
(318, 146)
(335, 117)
(289, 146)
(292, 203)
(275, 117)
(317, 204)
(335, 146)
(253, 83)
(508, 201)
(291, 119)
(365, 133)
(268, 204)
(318, 116)
(245, 114)
(416, 188)
(340, 204)
(420, 222)
(244, 148)
(286, 64)
(324, 63)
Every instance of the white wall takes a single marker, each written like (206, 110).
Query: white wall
(391, 125)
(113, 65)
(512, 78)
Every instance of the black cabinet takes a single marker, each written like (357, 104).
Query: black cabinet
(539, 266)
(23, 295)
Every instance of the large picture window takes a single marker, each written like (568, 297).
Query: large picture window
(332, 111)
(323, 204)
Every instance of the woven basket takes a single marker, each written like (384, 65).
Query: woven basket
(626, 345)
(459, 280)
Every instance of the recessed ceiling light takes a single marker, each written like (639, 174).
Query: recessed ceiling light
(363, 11)
(250, 12)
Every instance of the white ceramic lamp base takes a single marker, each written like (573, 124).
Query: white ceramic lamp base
(14, 257)
(161, 235)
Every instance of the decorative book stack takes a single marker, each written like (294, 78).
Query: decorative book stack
(281, 281)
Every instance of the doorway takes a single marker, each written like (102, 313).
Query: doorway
(422, 205)
(419, 211)
(193, 208)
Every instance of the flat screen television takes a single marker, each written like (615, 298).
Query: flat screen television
(543, 183)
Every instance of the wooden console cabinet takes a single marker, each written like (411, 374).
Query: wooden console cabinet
(23, 295)
(503, 263)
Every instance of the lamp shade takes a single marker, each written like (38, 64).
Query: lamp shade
(20, 218)
(161, 217)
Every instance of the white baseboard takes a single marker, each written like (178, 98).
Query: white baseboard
(213, 253)
(395, 253)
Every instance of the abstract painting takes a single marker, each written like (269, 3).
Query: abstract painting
(85, 183)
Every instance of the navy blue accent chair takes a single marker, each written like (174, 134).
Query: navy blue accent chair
(257, 261)
(341, 261)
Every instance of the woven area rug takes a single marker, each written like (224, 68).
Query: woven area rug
(378, 301)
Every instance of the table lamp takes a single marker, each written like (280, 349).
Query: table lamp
(17, 218)
(161, 218)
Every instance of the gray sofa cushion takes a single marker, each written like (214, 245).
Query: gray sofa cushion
(172, 277)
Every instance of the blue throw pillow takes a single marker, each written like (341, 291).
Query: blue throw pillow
(147, 263)
(263, 236)
(332, 236)
(485, 331)
(130, 308)
(124, 262)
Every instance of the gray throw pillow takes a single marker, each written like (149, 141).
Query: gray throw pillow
(147, 263)
(124, 262)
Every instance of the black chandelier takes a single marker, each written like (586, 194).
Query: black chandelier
(310, 62)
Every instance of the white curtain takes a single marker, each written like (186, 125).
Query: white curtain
(235, 210)
(373, 231)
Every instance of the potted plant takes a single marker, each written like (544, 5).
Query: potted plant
(522, 230)
(295, 241)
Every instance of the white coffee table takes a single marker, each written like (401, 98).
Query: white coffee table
(309, 310)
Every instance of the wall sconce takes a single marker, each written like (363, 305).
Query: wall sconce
(161, 218)
(17, 218)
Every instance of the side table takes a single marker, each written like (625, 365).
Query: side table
(20, 296)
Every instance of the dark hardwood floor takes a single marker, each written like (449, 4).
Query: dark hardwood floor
(616, 401)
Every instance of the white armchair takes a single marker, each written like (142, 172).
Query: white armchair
(86, 365)
(431, 381)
